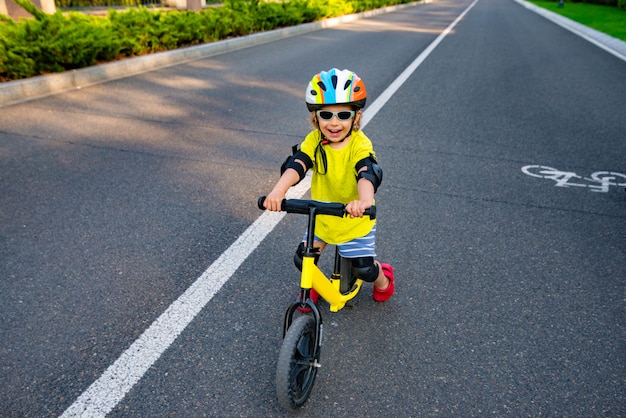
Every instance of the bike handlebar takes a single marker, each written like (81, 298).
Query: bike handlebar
(303, 206)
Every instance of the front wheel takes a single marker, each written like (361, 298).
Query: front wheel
(297, 364)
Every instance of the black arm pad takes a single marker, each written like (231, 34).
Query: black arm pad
(291, 162)
(373, 173)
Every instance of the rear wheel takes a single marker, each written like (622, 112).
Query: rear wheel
(297, 364)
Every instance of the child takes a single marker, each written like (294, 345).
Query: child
(345, 170)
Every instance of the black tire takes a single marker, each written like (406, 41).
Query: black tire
(297, 364)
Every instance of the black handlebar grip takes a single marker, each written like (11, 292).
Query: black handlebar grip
(260, 202)
(371, 212)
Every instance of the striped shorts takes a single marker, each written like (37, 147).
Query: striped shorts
(358, 247)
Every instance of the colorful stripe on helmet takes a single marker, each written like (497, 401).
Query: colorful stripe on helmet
(336, 87)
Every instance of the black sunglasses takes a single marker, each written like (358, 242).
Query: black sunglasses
(341, 115)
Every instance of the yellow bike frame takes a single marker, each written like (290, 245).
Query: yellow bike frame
(312, 277)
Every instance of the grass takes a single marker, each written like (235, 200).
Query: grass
(606, 19)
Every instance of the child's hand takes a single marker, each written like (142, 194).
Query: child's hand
(356, 208)
(274, 200)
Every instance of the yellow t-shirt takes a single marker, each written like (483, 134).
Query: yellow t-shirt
(338, 184)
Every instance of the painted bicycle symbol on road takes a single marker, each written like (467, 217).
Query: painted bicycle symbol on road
(599, 182)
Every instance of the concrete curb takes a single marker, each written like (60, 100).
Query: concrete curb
(13, 92)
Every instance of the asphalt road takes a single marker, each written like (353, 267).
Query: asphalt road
(115, 198)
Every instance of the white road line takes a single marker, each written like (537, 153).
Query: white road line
(106, 392)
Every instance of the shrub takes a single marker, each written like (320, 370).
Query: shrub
(54, 43)
(65, 41)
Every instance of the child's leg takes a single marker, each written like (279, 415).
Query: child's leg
(361, 252)
(297, 258)
(380, 274)
(384, 283)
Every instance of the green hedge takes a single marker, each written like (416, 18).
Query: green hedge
(66, 41)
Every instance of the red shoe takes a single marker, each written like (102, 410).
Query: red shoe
(314, 297)
(383, 295)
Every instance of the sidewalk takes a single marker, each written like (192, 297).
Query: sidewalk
(27, 89)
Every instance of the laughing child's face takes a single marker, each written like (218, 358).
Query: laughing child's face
(335, 121)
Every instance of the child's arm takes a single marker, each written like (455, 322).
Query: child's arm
(356, 208)
(276, 196)
(369, 176)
